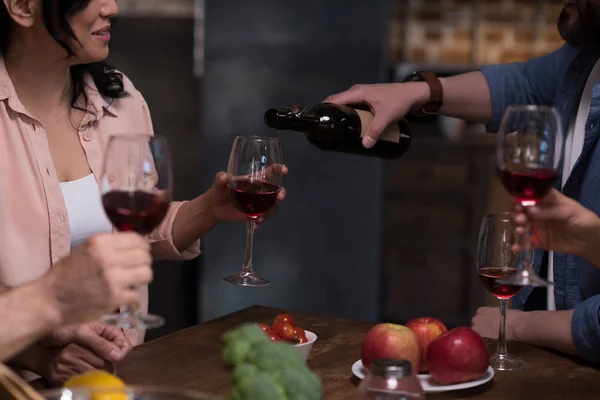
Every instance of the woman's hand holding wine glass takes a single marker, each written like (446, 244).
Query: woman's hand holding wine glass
(225, 210)
(253, 185)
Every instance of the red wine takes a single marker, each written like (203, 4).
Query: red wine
(489, 277)
(332, 127)
(528, 185)
(137, 211)
(254, 197)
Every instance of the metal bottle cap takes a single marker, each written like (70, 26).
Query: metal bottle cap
(390, 368)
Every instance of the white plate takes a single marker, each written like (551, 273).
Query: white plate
(427, 382)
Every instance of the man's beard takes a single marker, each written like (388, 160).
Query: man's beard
(586, 29)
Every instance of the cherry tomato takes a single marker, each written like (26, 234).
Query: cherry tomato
(299, 331)
(302, 339)
(274, 337)
(266, 328)
(285, 318)
(284, 331)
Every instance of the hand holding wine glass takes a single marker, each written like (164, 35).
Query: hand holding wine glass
(255, 174)
(528, 155)
(137, 187)
(559, 223)
(225, 210)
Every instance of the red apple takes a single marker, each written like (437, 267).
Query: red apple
(427, 330)
(390, 341)
(459, 355)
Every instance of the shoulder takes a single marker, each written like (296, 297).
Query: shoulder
(131, 111)
(133, 101)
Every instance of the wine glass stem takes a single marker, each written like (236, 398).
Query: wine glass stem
(247, 266)
(501, 348)
(527, 248)
(129, 309)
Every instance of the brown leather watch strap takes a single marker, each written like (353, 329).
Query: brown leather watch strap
(436, 98)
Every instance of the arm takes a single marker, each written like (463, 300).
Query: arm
(548, 329)
(27, 313)
(33, 356)
(532, 82)
(178, 235)
(466, 96)
(194, 219)
(480, 96)
(585, 329)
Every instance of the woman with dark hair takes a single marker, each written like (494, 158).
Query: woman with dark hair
(59, 104)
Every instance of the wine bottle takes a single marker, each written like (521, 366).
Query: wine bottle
(332, 127)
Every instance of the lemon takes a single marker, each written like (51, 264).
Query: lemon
(98, 380)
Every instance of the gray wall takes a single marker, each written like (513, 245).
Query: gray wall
(323, 250)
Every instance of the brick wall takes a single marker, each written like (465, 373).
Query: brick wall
(476, 32)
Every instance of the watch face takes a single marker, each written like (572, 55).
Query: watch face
(414, 77)
(432, 108)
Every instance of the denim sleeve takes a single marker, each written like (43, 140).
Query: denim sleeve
(585, 328)
(532, 82)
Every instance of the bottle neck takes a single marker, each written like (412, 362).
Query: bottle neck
(285, 119)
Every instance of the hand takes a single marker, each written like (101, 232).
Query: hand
(223, 208)
(99, 276)
(78, 349)
(388, 102)
(486, 322)
(558, 223)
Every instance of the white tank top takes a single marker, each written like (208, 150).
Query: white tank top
(84, 207)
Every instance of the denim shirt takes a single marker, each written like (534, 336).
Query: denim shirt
(558, 79)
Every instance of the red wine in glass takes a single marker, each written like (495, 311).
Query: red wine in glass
(136, 211)
(136, 187)
(528, 185)
(256, 170)
(497, 262)
(253, 197)
(490, 276)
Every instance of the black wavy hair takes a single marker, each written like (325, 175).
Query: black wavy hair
(56, 13)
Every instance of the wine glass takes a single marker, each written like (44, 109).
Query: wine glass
(136, 194)
(528, 154)
(255, 172)
(497, 261)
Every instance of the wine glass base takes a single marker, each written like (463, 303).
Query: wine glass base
(506, 363)
(247, 280)
(133, 320)
(525, 278)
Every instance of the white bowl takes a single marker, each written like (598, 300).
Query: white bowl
(305, 348)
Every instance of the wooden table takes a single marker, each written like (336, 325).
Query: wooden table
(192, 359)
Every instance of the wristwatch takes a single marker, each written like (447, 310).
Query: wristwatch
(436, 98)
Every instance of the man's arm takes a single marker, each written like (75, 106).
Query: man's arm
(27, 313)
(585, 329)
(482, 96)
(548, 329)
(575, 332)
(532, 82)
(466, 96)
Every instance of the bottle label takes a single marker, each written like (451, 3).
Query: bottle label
(390, 134)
